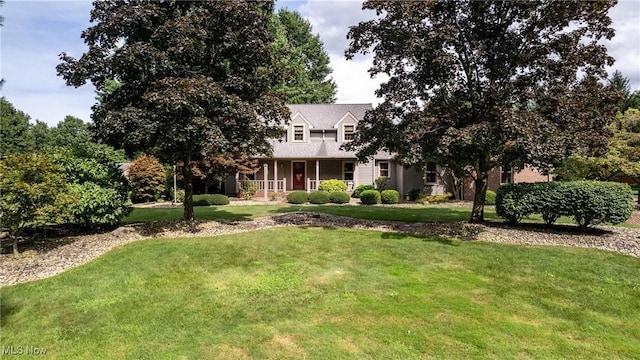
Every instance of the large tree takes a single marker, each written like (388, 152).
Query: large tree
(14, 130)
(303, 57)
(480, 84)
(195, 78)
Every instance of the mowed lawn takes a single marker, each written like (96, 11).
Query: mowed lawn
(332, 293)
(248, 212)
(387, 213)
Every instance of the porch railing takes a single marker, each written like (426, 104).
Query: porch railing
(312, 184)
(272, 185)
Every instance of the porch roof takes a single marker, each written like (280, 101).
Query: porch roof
(330, 150)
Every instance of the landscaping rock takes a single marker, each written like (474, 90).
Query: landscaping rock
(49, 257)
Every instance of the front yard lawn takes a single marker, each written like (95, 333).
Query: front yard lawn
(331, 293)
(240, 212)
(387, 213)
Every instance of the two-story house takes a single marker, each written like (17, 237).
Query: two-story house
(310, 152)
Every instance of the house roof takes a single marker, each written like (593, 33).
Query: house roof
(325, 116)
(316, 150)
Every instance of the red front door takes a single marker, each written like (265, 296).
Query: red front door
(298, 176)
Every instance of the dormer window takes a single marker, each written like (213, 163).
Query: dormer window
(298, 132)
(349, 132)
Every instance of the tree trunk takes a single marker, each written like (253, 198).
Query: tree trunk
(15, 246)
(481, 182)
(187, 172)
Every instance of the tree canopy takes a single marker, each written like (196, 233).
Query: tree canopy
(14, 130)
(304, 60)
(480, 84)
(196, 78)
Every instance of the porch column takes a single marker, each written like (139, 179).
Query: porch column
(266, 180)
(400, 177)
(317, 174)
(355, 174)
(237, 178)
(275, 175)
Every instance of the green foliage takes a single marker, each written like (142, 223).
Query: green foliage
(445, 59)
(14, 130)
(332, 185)
(360, 188)
(319, 197)
(31, 184)
(490, 198)
(179, 195)
(390, 196)
(303, 58)
(297, 197)
(147, 178)
(94, 204)
(424, 198)
(370, 197)
(415, 193)
(195, 78)
(248, 189)
(210, 199)
(99, 191)
(588, 202)
(383, 183)
(339, 197)
(622, 158)
(71, 132)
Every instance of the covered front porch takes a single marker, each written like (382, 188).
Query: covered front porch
(284, 175)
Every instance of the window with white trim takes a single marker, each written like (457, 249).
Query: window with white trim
(347, 172)
(430, 174)
(349, 132)
(383, 169)
(298, 132)
(506, 175)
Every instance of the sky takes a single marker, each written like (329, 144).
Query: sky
(36, 32)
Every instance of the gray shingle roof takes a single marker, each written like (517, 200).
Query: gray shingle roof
(312, 150)
(325, 116)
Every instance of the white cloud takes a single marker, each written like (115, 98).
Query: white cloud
(35, 32)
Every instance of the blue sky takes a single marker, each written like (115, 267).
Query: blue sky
(36, 32)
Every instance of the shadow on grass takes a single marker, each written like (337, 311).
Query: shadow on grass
(559, 229)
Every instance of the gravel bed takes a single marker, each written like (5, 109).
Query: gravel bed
(46, 260)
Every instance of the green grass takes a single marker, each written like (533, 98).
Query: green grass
(330, 293)
(405, 214)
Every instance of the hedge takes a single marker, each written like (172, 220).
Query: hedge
(490, 198)
(339, 197)
(332, 185)
(588, 202)
(370, 197)
(297, 197)
(390, 196)
(319, 197)
(210, 199)
(360, 188)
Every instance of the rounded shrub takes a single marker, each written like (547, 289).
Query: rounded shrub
(390, 196)
(319, 197)
(332, 185)
(339, 197)
(490, 198)
(297, 197)
(210, 199)
(360, 188)
(370, 197)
